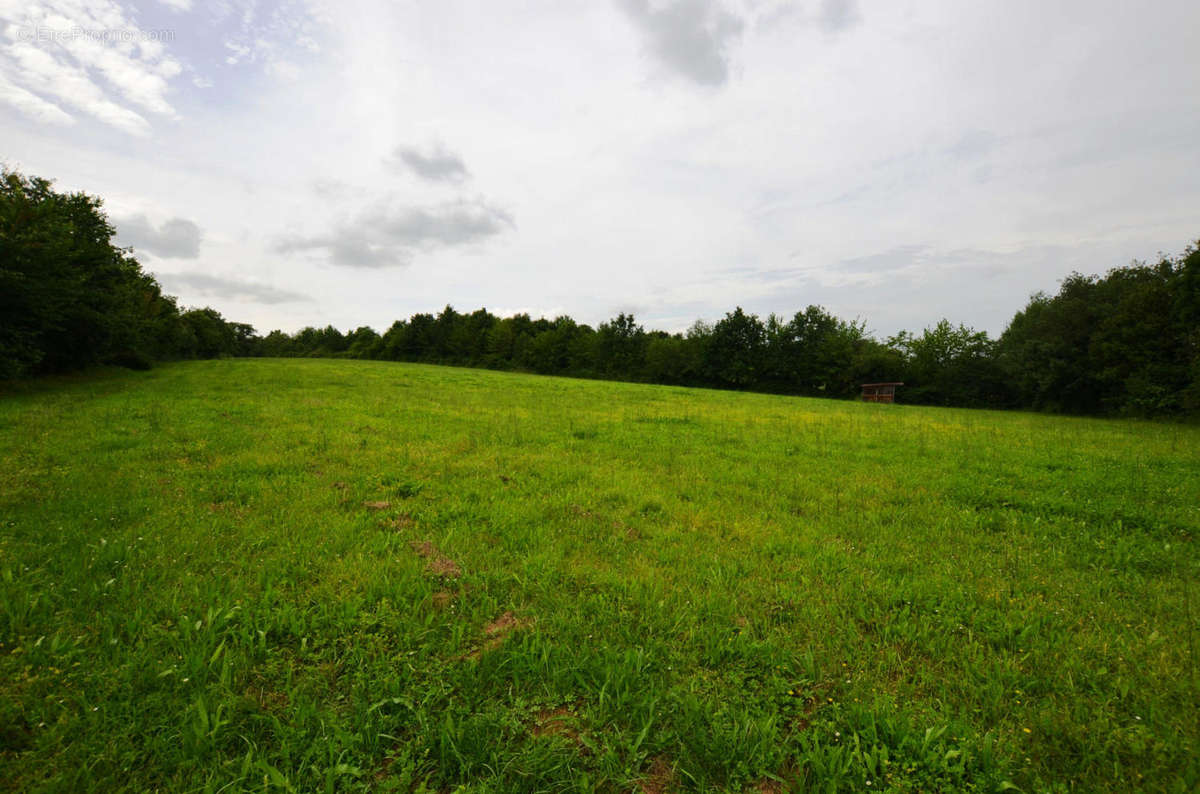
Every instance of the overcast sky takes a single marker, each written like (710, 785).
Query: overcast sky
(307, 163)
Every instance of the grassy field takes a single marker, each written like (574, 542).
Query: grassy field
(323, 576)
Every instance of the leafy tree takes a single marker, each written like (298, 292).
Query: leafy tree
(948, 365)
(508, 342)
(210, 335)
(420, 341)
(70, 298)
(620, 347)
(667, 359)
(276, 344)
(735, 350)
(394, 342)
(363, 342)
(813, 353)
(550, 352)
(1125, 342)
(876, 362)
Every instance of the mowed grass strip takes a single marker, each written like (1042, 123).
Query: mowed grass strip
(346, 575)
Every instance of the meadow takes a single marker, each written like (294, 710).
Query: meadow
(317, 575)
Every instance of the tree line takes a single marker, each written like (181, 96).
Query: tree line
(1126, 342)
(70, 298)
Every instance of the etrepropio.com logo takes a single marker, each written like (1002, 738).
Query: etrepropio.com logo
(48, 35)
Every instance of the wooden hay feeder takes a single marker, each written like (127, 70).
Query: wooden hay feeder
(879, 392)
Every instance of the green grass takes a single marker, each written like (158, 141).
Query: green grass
(659, 588)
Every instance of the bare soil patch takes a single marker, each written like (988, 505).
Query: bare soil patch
(501, 626)
(444, 566)
(400, 522)
(659, 778)
(496, 632)
(436, 562)
(556, 722)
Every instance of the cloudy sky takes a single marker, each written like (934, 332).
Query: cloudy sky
(304, 163)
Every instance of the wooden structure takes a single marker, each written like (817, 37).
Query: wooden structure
(879, 392)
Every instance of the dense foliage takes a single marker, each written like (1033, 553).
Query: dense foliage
(70, 298)
(1126, 342)
(812, 353)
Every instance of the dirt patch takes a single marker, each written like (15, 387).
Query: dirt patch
(377, 505)
(442, 599)
(436, 562)
(556, 722)
(768, 786)
(400, 522)
(444, 566)
(496, 632)
(501, 626)
(659, 778)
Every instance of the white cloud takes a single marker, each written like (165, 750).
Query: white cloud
(898, 162)
(89, 55)
(33, 105)
(239, 52)
(532, 312)
(283, 70)
(276, 37)
(42, 72)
